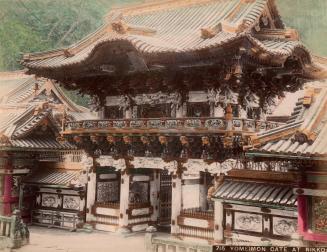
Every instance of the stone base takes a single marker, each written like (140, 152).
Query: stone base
(87, 228)
(151, 229)
(123, 230)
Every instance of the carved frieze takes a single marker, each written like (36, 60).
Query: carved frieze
(71, 202)
(104, 160)
(248, 222)
(283, 226)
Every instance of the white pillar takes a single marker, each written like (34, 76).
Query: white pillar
(154, 195)
(124, 201)
(176, 203)
(243, 113)
(91, 192)
(128, 113)
(181, 111)
(219, 111)
(218, 233)
(203, 191)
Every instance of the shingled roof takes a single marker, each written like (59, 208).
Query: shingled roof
(27, 103)
(180, 27)
(305, 133)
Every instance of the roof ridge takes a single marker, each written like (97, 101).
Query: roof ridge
(154, 5)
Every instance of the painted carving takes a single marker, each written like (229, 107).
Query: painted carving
(285, 227)
(139, 192)
(319, 217)
(154, 163)
(87, 162)
(71, 202)
(108, 191)
(248, 222)
(51, 200)
(105, 160)
(194, 166)
(158, 98)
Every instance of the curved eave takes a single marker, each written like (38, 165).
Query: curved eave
(147, 50)
(285, 155)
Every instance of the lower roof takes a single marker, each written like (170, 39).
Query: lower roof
(256, 192)
(59, 177)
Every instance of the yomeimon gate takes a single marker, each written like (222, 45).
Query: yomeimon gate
(180, 85)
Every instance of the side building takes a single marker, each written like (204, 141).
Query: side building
(37, 171)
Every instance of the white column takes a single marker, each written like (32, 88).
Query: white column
(203, 191)
(219, 111)
(124, 201)
(176, 203)
(218, 233)
(91, 192)
(128, 113)
(154, 199)
(181, 111)
(243, 113)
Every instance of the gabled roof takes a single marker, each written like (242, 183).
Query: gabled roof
(21, 129)
(20, 90)
(306, 132)
(27, 105)
(179, 27)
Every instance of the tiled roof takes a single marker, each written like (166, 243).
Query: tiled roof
(61, 177)
(44, 143)
(306, 132)
(254, 192)
(177, 28)
(23, 108)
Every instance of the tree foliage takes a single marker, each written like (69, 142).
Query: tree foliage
(39, 25)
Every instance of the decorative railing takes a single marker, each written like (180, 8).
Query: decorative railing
(107, 220)
(195, 222)
(156, 242)
(13, 232)
(203, 233)
(139, 205)
(5, 226)
(114, 205)
(162, 124)
(197, 213)
(56, 219)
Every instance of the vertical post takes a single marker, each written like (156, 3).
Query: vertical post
(176, 202)
(203, 191)
(302, 214)
(91, 188)
(8, 184)
(124, 203)
(21, 196)
(229, 117)
(219, 111)
(154, 193)
(128, 113)
(218, 233)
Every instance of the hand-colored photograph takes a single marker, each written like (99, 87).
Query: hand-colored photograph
(163, 125)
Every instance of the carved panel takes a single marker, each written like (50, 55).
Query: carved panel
(51, 200)
(139, 192)
(71, 202)
(284, 227)
(108, 191)
(319, 212)
(248, 222)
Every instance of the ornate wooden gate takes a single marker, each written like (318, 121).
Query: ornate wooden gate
(165, 198)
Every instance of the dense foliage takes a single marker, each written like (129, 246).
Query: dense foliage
(38, 25)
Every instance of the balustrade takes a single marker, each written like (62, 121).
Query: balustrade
(13, 232)
(161, 124)
(197, 213)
